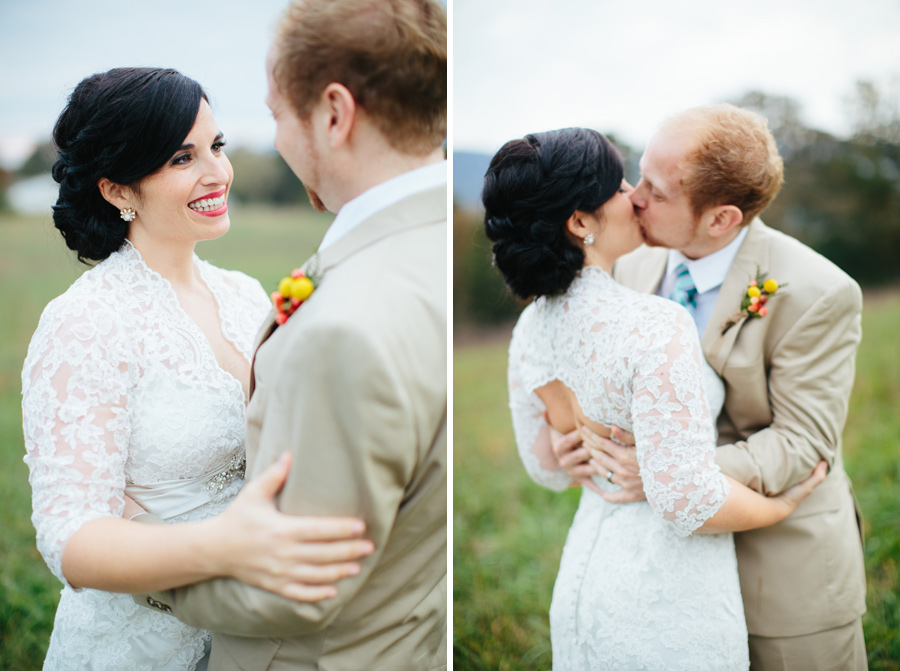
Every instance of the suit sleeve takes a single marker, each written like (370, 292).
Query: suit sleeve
(338, 404)
(810, 378)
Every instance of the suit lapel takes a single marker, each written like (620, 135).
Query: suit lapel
(267, 329)
(648, 270)
(753, 253)
(420, 209)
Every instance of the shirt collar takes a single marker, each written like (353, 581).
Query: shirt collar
(381, 196)
(709, 271)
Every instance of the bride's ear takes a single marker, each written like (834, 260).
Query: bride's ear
(114, 194)
(576, 226)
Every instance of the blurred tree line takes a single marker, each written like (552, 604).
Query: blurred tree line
(260, 177)
(841, 197)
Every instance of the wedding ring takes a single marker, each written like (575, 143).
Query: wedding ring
(609, 475)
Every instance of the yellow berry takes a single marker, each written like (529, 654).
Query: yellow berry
(284, 286)
(771, 286)
(754, 292)
(301, 288)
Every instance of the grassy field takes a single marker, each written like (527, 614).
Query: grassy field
(35, 266)
(508, 532)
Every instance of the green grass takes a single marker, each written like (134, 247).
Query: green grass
(508, 533)
(35, 266)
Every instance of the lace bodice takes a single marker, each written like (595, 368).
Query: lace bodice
(632, 360)
(121, 386)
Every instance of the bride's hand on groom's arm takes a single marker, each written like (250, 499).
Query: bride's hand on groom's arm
(294, 556)
(615, 459)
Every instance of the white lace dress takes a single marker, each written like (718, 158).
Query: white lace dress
(122, 394)
(635, 589)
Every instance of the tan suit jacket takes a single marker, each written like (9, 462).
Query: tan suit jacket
(355, 385)
(788, 378)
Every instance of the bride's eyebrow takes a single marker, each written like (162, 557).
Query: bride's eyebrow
(190, 145)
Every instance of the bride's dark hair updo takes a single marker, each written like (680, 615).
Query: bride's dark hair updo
(123, 125)
(531, 188)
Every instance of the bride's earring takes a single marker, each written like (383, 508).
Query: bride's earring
(588, 240)
(127, 213)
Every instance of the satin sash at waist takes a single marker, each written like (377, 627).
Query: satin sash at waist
(170, 498)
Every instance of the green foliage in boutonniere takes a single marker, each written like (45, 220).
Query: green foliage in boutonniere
(292, 291)
(754, 303)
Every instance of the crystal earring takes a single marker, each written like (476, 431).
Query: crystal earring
(588, 240)
(127, 213)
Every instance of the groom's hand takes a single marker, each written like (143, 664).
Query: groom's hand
(573, 458)
(615, 459)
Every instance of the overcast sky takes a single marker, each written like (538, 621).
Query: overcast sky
(522, 66)
(518, 65)
(48, 46)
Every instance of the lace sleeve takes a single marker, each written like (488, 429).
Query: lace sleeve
(76, 421)
(533, 433)
(672, 425)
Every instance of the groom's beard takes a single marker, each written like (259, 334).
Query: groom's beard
(314, 200)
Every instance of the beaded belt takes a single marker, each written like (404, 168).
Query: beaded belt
(170, 498)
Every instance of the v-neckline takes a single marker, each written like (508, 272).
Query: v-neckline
(193, 326)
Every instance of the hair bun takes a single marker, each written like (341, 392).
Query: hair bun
(531, 188)
(59, 171)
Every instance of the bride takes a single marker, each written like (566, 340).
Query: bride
(647, 585)
(135, 386)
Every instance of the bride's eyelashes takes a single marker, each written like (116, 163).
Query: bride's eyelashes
(217, 146)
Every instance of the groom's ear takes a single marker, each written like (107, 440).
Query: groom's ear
(724, 218)
(339, 107)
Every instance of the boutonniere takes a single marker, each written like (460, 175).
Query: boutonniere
(292, 291)
(753, 304)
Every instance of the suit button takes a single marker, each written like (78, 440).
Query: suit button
(153, 603)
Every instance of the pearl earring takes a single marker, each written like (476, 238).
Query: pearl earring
(588, 240)
(127, 213)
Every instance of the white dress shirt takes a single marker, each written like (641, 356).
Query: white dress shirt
(381, 196)
(708, 273)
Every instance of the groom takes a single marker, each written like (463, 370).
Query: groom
(788, 371)
(354, 383)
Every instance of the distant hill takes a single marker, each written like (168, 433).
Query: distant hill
(468, 175)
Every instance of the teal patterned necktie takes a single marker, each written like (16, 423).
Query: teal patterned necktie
(684, 291)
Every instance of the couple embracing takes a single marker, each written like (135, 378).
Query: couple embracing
(635, 361)
(158, 380)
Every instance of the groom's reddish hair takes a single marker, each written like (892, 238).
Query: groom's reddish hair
(733, 159)
(390, 54)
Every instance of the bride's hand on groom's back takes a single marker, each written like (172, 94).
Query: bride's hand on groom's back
(573, 458)
(293, 556)
(615, 459)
